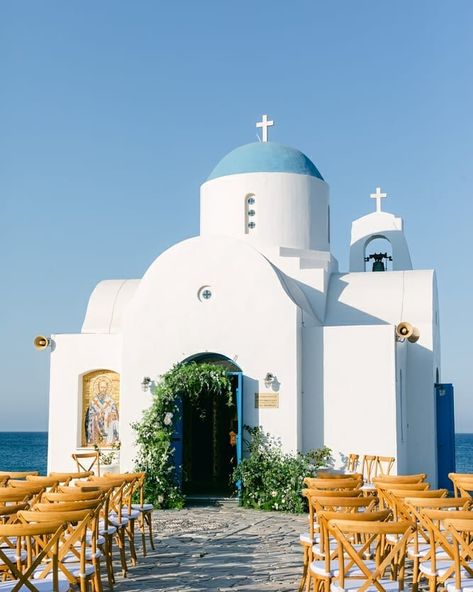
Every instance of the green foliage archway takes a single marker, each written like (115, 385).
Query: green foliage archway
(193, 382)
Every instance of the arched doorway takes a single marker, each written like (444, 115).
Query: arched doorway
(208, 448)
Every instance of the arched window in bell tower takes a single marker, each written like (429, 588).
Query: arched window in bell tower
(250, 213)
(378, 254)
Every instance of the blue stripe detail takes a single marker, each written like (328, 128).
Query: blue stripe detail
(265, 157)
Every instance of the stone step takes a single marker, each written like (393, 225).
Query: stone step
(211, 500)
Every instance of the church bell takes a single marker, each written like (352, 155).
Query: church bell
(378, 266)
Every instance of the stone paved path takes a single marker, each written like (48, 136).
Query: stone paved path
(220, 548)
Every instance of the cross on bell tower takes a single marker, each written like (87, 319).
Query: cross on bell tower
(264, 126)
(378, 196)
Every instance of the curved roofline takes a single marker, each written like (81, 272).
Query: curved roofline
(265, 157)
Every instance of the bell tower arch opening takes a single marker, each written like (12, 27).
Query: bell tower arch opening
(378, 254)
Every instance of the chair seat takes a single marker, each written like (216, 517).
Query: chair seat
(305, 539)
(317, 551)
(353, 585)
(113, 519)
(12, 556)
(89, 555)
(466, 585)
(318, 569)
(443, 565)
(73, 567)
(131, 515)
(45, 585)
(143, 508)
(109, 530)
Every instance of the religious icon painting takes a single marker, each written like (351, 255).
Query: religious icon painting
(100, 409)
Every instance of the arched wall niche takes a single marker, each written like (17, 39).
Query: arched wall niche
(378, 243)
(100, 408)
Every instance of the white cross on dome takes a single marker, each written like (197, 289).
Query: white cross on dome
(264, 126)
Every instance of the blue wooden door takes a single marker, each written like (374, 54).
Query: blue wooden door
(239, 404)
(445, 433)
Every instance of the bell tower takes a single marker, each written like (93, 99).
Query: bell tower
(378, 242)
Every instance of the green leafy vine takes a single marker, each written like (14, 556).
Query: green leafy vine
(192, 382)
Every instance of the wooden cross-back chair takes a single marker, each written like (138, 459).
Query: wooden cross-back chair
(394, 498)
(312, 542)
(352, 558)
(307, 539)
(352, 462)
(384, 465)
(87, 462)
(384, 490)
(368, 467)
(144, 509)
(42, 544)
(462, 483)
(461, 533)
(438, 565)
(323, 568)
(421, 548)
(115, 522)
(72, 557)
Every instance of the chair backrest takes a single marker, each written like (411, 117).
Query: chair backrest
(46, 482)
(402, 486)
(65, 478)
(42, 542)
(316, 483)
(401, 479)
(373, 537)
(461, 533)
(9, 495)
(384, 465)
(87, 461)
(71, 496)
(8, 513)
(352, 462)
(462, 483)
(17, 474)
(73, 538)
(325, 516)
(327, 474)
(67, 506)
(368, 467)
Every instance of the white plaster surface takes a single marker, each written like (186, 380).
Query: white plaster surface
(278, 305)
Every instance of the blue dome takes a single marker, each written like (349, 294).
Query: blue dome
(265, 157)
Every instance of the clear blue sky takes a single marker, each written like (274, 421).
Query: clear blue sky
(113, 113)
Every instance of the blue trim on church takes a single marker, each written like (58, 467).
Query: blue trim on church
(265, 157)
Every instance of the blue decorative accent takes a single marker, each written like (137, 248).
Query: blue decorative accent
(445, 433)
(265, 157)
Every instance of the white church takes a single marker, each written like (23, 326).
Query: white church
(316, 354)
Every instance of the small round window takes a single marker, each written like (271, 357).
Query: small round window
(251, 200)
(204, 294)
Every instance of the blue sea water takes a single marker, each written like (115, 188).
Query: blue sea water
(23, 451)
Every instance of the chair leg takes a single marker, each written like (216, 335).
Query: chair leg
(302, 583)
(109, 560)
(97, 576)
(121, 548)
(150, 527)
(130, 530)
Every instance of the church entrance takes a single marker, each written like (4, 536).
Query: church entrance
(211, 445)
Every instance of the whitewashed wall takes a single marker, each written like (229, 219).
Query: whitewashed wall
(250, 319)
(291, 209)
(72, 357)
